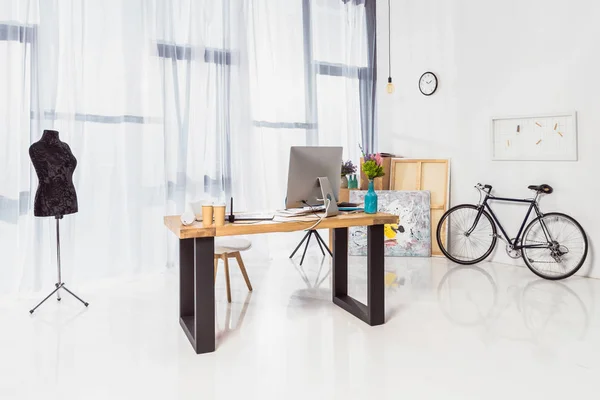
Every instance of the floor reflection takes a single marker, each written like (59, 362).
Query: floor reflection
(550, 311)
(467, 295)
(549, 307)
(56, 322)
(316, 292)
(226, 327)
(318, 280)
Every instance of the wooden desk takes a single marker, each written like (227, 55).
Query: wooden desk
(196, 269)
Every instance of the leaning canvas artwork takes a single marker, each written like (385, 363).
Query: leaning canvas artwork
(411, 237)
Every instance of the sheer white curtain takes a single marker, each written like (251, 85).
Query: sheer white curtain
(163, 102)
(311, 81)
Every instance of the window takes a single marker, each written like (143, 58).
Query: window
(15, 72)
(196, 71)
(313, 63)
(343, 65)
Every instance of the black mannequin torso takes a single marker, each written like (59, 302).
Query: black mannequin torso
(54, 164)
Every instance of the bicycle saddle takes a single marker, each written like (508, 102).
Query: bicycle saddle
(547, 189)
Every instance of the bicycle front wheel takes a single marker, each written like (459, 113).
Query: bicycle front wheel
(554, 246)
(471, 234)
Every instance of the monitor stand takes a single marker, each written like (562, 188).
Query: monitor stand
(331, 209)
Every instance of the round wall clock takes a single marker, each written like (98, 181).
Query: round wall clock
(428, 83)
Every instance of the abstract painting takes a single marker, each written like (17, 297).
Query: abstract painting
(411, 237)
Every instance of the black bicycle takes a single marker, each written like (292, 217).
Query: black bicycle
(554, 245)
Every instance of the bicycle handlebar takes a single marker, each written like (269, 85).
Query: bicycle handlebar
(484, 187)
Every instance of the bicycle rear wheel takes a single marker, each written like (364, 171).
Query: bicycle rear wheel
(469, 240)
(562, 253)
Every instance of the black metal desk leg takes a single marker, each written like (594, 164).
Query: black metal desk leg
(197, 292)
(340, 263)
(375, 275)
(373, 313)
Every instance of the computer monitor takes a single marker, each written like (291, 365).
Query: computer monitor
(307, 164)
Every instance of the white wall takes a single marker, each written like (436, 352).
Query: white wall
(492, 58)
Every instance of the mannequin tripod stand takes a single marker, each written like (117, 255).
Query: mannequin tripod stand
(60, 284)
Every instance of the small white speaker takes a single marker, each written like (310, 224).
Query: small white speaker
(188, 217)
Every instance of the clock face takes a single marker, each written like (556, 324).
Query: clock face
(428, 83)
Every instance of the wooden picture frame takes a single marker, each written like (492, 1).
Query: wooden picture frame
(425, 174)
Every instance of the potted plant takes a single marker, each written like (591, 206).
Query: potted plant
(373, 168)
(348, 168)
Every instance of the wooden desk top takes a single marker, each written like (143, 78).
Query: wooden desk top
(197, 229)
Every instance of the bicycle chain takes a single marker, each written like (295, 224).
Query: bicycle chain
(536, 241)
(541, 262)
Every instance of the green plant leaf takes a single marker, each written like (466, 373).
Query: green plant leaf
(372, 170)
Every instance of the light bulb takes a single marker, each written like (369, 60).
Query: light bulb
(390, 86)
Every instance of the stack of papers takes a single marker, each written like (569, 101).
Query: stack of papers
(300, 218)
(296, 212)
(299, 214)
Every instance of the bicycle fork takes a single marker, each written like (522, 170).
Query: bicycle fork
(477, 218)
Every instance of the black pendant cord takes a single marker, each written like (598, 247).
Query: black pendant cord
(389, 42)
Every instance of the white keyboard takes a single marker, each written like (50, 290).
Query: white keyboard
(254, 217)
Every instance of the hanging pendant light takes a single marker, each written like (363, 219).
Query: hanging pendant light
(390, 86)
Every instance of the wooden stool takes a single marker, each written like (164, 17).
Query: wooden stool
(226, 248)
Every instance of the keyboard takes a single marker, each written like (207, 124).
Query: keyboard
(346, 204)
(254, 217)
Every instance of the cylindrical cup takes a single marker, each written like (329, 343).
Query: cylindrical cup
(219, 214)
(207, 215)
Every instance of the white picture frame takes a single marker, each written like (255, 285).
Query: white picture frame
(536, 137)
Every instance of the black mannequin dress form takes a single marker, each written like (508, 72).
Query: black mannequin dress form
(54, 164)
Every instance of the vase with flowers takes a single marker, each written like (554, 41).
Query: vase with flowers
(348, 168)
(373, 168)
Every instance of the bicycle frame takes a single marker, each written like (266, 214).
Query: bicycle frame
(532, 206)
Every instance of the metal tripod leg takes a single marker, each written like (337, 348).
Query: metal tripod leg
(300, 244)
(320, 239)
(319, 242)
(306, 247)
(47, 297)
(60, 284)
(74, 295)
(306, 238)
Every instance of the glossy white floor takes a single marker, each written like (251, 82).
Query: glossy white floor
(485, 332)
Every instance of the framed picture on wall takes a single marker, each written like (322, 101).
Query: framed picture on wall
(540, 137)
